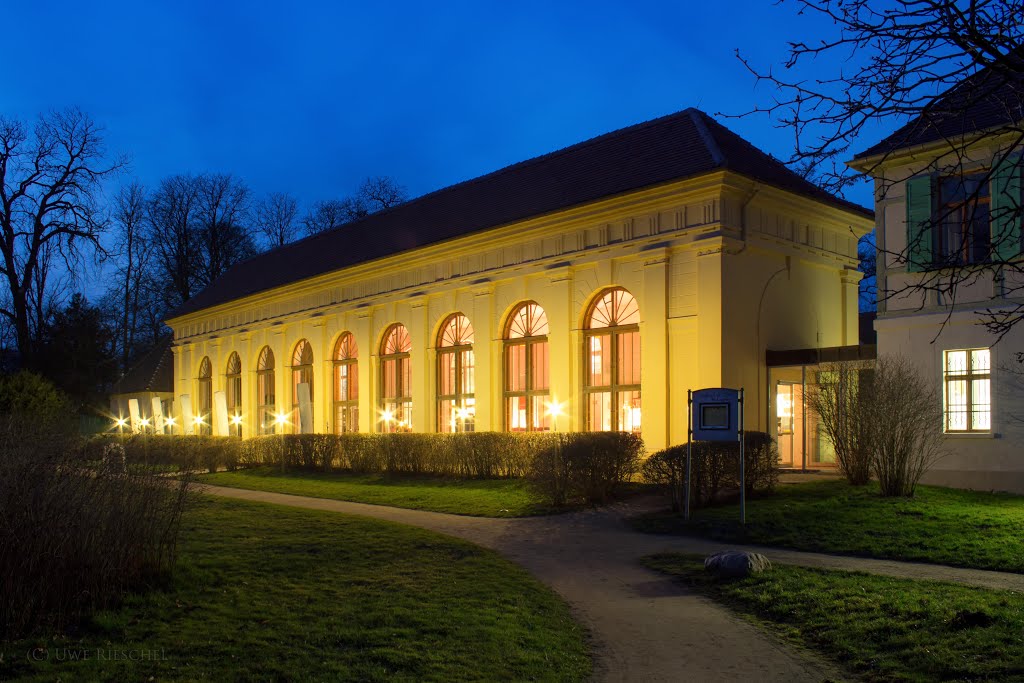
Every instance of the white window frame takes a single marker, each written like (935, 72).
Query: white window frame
(968, 378)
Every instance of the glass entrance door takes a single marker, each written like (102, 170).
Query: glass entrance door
(789, 423)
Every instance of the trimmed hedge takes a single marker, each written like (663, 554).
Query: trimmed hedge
(715, 469)
(586, 466)
(472, 454)
(565, 467)
(185, 452)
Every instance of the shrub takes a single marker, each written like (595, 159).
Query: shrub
(72, 538)
(906, 415)
(471, 454)
(841, 400)
(586, 466)
(186, 453)
(714, 469)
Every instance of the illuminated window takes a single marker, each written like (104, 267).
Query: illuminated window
(265, 397)
(526, 369)
(967, 390)
(346, 385)
(205, 403)
(233, 391)
(612, 363)
(456, 406)
(302, 373)
(396, 380)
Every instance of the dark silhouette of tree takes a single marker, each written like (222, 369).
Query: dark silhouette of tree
(198, 227)
(50, 182)
(173, 215)
(225, 232)
(275, 218)
(132, 254)
(375, 194)
(77, 352)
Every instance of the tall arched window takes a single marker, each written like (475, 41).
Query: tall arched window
(346, 385)
(204, 404)
(265, 397)
(233, 391)
(456, 406)
(526, 369)
(302, 373)
(396, 380)
(612, 372)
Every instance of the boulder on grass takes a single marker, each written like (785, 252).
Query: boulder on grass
(736, 564)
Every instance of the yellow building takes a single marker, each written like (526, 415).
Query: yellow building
(609, 277)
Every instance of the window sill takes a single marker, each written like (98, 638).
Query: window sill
(972, 435)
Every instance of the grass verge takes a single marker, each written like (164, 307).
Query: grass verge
(264, 592)
(478, 497)
(879, 628)
(938, 525)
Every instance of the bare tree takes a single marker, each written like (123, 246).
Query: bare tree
(133, 252)
(275, 218)
(841, 402)
(905, 416)
(328, 214)
(50, 185)
(223, 227)
(375, 194)
(381, 192)
(173, 213)
(947, 71)
(198, 227)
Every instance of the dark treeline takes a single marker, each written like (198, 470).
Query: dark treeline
(157, 246)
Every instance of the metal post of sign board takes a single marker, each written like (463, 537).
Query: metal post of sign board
(743, 460)
(689, 445)
(716, 415)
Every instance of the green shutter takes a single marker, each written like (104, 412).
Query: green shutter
(919, 223)
(1006, 208)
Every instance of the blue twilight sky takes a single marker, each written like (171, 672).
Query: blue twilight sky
(310, 98)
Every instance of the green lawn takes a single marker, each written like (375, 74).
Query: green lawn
(264, 592)
(879, 628)
(479, 497)
(940, 525)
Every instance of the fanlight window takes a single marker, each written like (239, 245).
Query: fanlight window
(396, 380)
(266, 400)
(346, 385)
(233, 391)
(456, 405)
(302, 373)
(204, 404)
(526, 369)
(612, 362)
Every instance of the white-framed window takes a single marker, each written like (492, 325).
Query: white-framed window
(967, 390)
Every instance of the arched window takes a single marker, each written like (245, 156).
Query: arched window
(526, 369)
(302, 373)
(396, 380)
(204, 405)
(346, 385)
(233, 391)
(266, 400)
(456, 407)
(612, 372)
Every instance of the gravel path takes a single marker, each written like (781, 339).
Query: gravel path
(646, 627)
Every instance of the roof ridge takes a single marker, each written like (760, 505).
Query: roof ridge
(697, 116)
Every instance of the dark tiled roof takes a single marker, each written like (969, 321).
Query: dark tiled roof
(681, 145)
(984, 101)
(154, 372)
